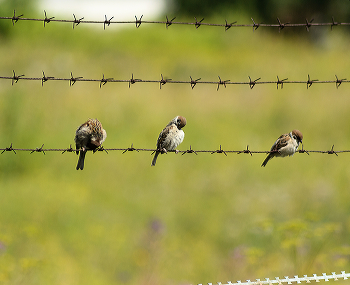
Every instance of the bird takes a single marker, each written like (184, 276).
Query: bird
(170, 137)
(89, 136)
(285, 145)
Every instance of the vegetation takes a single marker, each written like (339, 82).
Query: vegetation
(266, 10)
(192, 218)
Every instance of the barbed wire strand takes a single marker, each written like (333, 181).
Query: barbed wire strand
(296, 279)
(251, 83)
(138, 21)
(190, 150)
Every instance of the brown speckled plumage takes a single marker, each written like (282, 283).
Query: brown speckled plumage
(170, 137)
(89, 136)
(285, 145)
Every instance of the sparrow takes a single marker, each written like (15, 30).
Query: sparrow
(89, 136)
(170, 137)
(285, 145)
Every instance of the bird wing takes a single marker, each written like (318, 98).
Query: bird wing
(280, 142)
(163, 136)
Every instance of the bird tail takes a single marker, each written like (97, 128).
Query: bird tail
(267, 159)
(81, 159)
(155, 158)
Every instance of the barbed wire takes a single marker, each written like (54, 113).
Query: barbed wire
(296, 279)
(251, 83)
(152, 150)
(138, 21)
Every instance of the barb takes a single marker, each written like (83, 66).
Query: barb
(133, 81)
(309, 81)
(333, 23)
(107, 22)
(8, 149)
(73, 79)
(14, 18)
(16, 78)
(163, 81)
(251, 83)
(168, 23)
(246, 151)
(221, 83)
(76, 21)
(302, 150)
(104, 80)
(255, 25)
(70, 149)
(137, 22)
(198, 24)
(338, 81)
(130, 149)
(47, 20)
(45, 78)
(190, 150)
(227, 25)
(280, 82)
(280, 25)
(220, 150)
(38, 149)
(194, 82)
(308, 24)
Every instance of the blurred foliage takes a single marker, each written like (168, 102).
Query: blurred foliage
(267, 11)
(192, 218)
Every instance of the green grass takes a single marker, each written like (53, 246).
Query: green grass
(192, 218)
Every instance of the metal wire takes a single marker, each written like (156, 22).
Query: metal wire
(138, 21)
(251, 83)
(190, 150)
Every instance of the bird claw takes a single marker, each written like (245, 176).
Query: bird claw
(176, 151)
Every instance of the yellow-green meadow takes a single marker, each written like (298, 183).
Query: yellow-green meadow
(192, 218)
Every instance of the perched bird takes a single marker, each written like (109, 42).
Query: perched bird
(170, 137)
(89, 136)
(285, 145)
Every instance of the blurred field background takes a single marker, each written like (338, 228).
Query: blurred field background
(192, 218)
